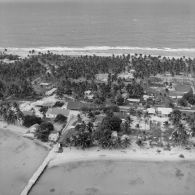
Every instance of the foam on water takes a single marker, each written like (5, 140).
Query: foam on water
(188, 52)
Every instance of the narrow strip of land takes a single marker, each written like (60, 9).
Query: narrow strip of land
(38, 172)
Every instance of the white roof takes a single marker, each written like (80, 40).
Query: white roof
(88, 91)
(174, 96)
(133, 100)
(164, 110)
(50, 92)
(147, 96)
(45, 84)
(126, 75)
(151, 111)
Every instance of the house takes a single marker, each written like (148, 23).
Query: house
(175, 97)
(75, 105)
(88, 95)
(102, 77)
(29, 113)
(124, 109)
(45, 85)
(50, 92)
(146, 97)
(164, 111)
(151, 111)
(121, 115)
(126, 76)
(133, 100)
(48, 104)
(59, 126)
(53, 112)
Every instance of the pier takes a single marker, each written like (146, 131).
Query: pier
(38, 172)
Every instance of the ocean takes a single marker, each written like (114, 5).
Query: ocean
(100, 25)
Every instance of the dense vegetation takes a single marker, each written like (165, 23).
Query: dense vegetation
(29, 120)
(74, 75)
(43, 131)
(10, 112)
(16, 78)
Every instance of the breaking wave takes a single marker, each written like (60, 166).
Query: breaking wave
(108, 50)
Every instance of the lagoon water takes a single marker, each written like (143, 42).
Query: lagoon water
(144, 24)
(118, 178)
(19, 159)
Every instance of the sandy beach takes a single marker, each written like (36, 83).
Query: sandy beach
(131, 154)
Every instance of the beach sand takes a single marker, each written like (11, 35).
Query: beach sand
(133, 153)
(19, 158)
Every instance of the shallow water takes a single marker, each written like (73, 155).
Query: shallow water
(19, 158)
(118, 178)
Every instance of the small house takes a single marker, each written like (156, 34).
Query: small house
(102, 77)
(88, 95)
(151, 111)
(53, 112)
(133, 100)
(164, 111)
(124, 109)
(50, 92)
(126, 76)
(53, 136)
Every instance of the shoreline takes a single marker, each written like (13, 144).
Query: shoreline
(130, 154)
(104, 51)
(21, 131)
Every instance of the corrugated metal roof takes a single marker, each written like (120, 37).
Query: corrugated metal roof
(56, 111)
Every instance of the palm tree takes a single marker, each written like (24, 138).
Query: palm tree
(146, 118)
(180, 135)
(175, 117)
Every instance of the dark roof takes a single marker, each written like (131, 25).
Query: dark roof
(78, 105)
(25, 113)
(121, 115)
(74, 105)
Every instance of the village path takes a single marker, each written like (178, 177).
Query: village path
(70, 122)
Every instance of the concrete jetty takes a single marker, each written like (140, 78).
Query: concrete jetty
(39, 172)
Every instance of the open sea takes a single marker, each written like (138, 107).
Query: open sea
(123, 25)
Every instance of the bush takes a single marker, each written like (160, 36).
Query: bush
(113, 123)
(58, 104)
(29, 120)
(60, 118)
(183, 102)
(43, 131)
